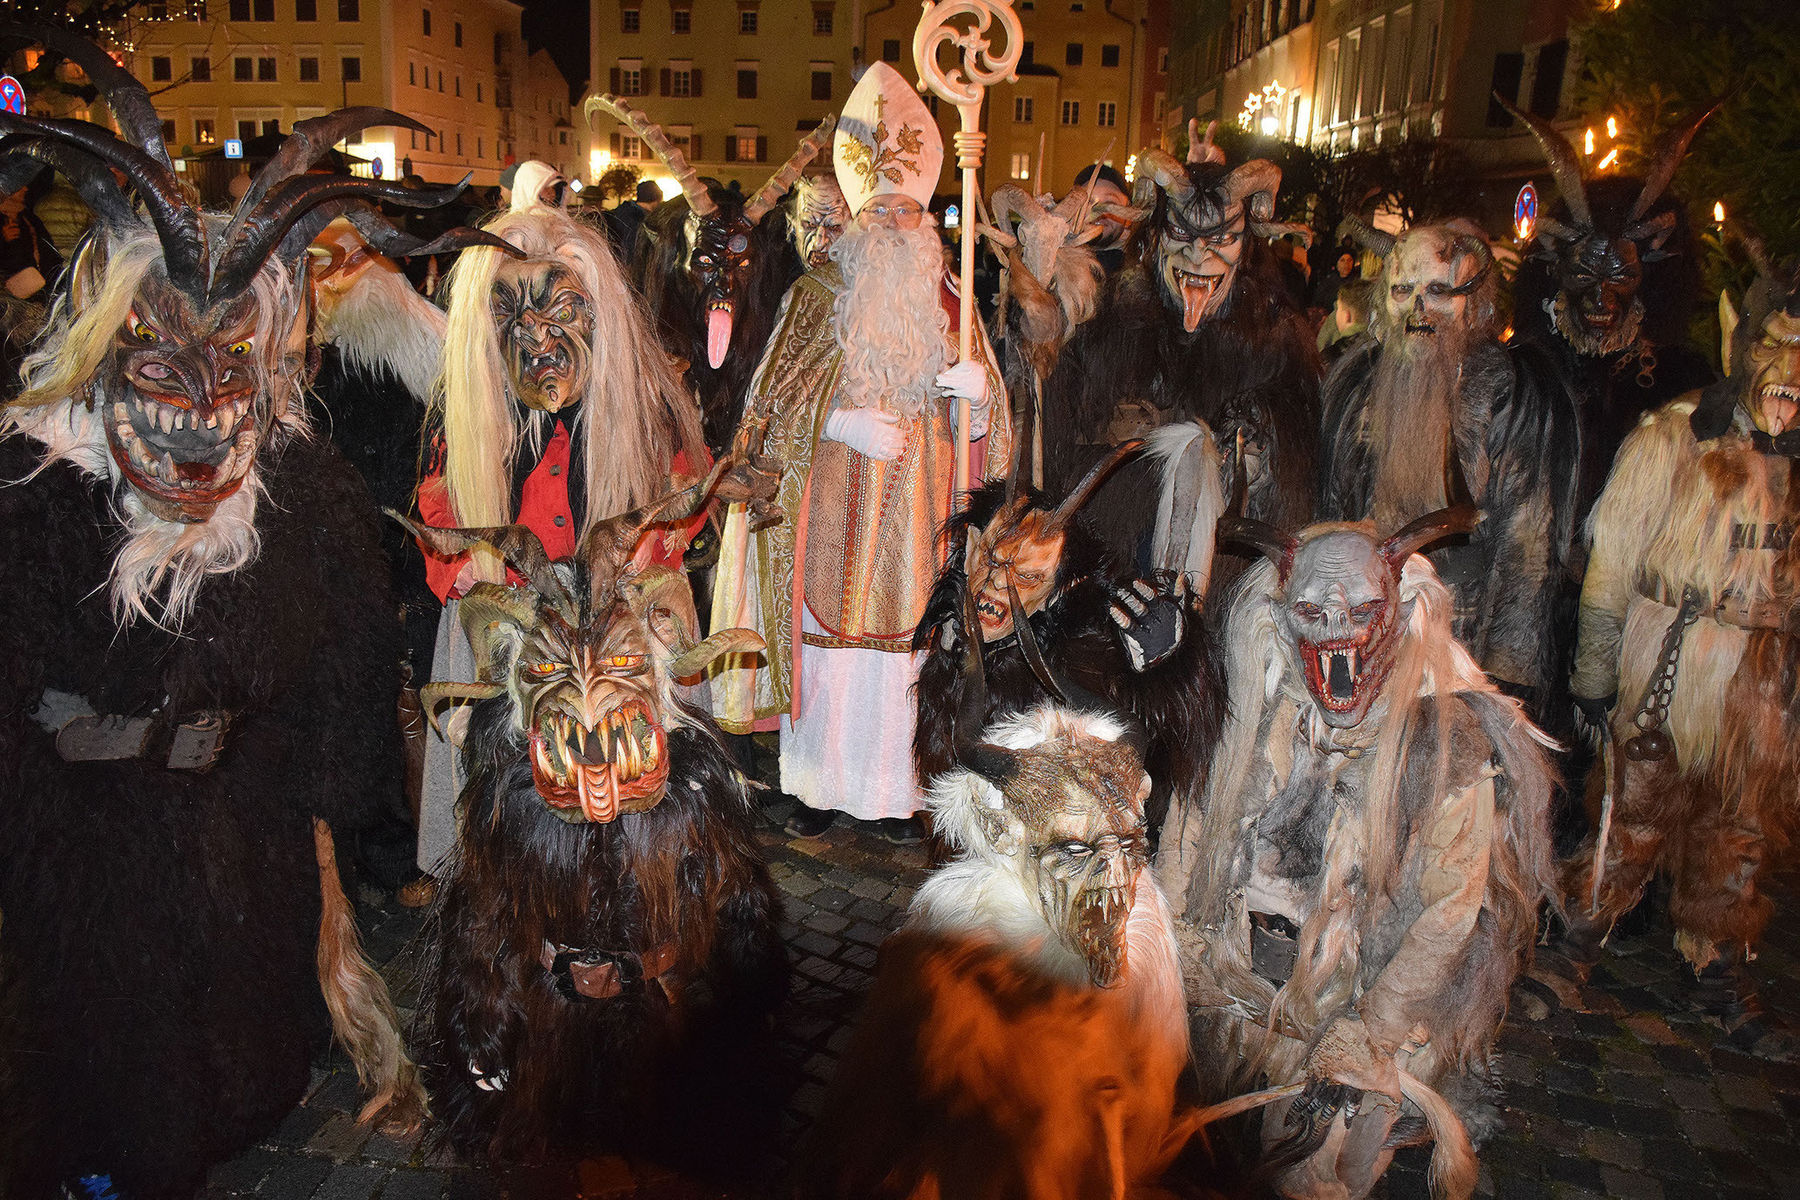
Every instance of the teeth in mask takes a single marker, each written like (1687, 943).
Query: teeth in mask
(121, 414)
(165, 417)
(212, 420)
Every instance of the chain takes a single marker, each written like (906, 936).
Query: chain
(1651, 743)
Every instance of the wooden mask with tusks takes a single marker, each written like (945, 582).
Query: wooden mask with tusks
(586, 652)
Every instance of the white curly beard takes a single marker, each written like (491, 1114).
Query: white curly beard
(888, 318)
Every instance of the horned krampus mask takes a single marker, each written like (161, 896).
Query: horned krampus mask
(1762, 348)
(1599, 266)
(820, 217)
(209, 347)
(1436, 280)
(1337, 607)
(587, 652)
(1195, 219)
(1063, 805)
(1012, 561)
(718, 258)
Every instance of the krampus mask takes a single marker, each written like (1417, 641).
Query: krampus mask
(1762, 349)
(1337, 606)
(1192, 221)
(546, 323)
(1599, 263)
(1066, 805)
(1012, 561)
(588, 652)
(820, 217)
(205, 344)
(1436, 280)
(718, 239)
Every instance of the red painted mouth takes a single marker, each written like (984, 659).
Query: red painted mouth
(1341, 673)
(604, 771)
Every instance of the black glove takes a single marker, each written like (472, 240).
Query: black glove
(1151, 618)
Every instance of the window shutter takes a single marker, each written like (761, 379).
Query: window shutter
(662, 79)
(694, 82)
(694, 154)
(730, 148)
(762, 149)
(612, 77)
(615, 145)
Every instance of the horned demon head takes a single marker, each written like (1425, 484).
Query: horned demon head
(820, 217)
(1436, 280)
(587, 652)
(1599, 258)
(1762, 353)
(1192, 224)
(1054, 797)
(719, 238)
(184, 330)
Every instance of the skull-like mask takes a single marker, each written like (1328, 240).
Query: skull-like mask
(546, 324)
(820, 218)
(1339, 613)
(1430, 278)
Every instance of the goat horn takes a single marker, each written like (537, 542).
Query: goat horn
(1090, 483)
(1670, 150)
(1565, 164)
(770, 194)
(432, 694)
(129, 99)
(1423, 531)
(996, 764)
(1369, 237)
(516, 544)
(1157, 168)
(1266, 539)
(699, 203)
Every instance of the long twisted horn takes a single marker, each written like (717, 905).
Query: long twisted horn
(1670, 150)
(516, 544)
(1367, 236)
(22, 157)
(305, 145)
(1565, 164)
(1157, 168)
(770, 194)
(699, 203)
(1065, 512)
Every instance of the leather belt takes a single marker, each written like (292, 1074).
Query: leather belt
(1731, 609)
(604, 974)
(193, 743)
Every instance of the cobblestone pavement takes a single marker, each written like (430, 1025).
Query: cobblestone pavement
(1628, 1097)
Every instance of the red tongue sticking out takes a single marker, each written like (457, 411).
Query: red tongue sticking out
(718, 335)
(1193, 303)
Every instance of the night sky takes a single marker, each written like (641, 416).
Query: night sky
(561, 27)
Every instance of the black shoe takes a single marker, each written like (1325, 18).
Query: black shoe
(808, 822)
(1725, 991)
(901, 831)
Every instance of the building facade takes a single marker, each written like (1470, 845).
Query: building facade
(222, 69)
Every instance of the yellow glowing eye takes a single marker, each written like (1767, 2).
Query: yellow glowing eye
(545, 668)
(238, 349)
(141, 331)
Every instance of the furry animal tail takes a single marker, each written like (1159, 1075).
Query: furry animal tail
(362, 1012)
(1453, 1164)
(1189, 502)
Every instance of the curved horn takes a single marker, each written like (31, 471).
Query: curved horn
(128, 98)
(1201, 148)
(95, 184)
(609, 542)
(1565, 164)
(263, 231)
(996, 764)
(699, 203)
(1367, 236)
(1423, 531)
(517, 544)
(1264, 538)
(1090, 483)
(770, 194)
(177, 224)
(383, 237)
(1157, 168)
(1254, 185)
(305, 145)
(1009, 201)
(1028, 646)
(1671, 148)
(432, 694)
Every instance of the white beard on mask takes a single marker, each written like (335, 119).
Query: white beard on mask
(888, 318)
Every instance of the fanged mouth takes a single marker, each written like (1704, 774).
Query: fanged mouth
(1780, 403)
(174, 452)
(1425, 327)
(1335, 672)
(1100, 915)
(989, 612)
(603, 770)
(1197, 295)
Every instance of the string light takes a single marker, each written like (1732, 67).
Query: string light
(1612, 128)
(1718, 212)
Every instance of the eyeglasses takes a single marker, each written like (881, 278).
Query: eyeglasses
(902, 215)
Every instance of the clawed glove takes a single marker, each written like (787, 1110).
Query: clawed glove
(1150, 619)
(870, 432)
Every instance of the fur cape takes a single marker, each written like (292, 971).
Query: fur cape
(669, 1068)
(1253, 367)
(1180, 700)
(1518, 440)
(679, 310)
(160, 926)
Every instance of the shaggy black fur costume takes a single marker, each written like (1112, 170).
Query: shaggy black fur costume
(1253, 367)
(668, 1067)
(680, 310)
(1518, 441)
(160, 925)
(1180, 700)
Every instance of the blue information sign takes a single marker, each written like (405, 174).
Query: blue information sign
(234, 148)
(12, 95)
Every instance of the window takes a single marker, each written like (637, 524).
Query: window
(890, 50)
(631, 81)
(162, 69)
(271, 127)
(200, 70)
(1508, 67)
(1026, 53)
(821, 22)
(246, 130)
(263, 10)
(1077, 6)
(821, 84)
(352, 67)
(456, 31)
(265, 69)
(1021, 166)
(459, 86)
(629, 147)
(158, 11)
(243, 70)
(478, 145)
(1021, 116)
(1162, 60)
(440, 78)
(425, 20)
(1071, 112)
(1072, 55)
(681, 20)
(1109, 114)
(747, 20)
(630, 20)
(168, 130)
(349, 10)
(746, 83)
(309, 70)
(1109, 56)
(478, 92)
(206, 131)
(240, 10)
(306, 10)
(459, 148)
(681, 81)
(744, 147)
(412, 74)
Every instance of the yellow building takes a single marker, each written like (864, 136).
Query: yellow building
(239, 68)
(734, 83)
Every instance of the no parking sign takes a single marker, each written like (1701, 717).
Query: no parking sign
(12, 95)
